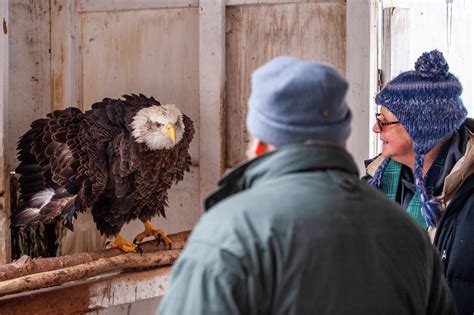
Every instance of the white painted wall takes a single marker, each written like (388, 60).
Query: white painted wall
(415, 27)
(424, 25)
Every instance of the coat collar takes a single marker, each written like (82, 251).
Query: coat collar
(286, 160)
(460, 172)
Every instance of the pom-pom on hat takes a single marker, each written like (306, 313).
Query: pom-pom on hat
(427, 103)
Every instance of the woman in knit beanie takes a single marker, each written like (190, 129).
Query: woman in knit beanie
(427, 163)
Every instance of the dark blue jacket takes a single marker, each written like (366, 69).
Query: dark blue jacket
(454, 236)
(455, 232)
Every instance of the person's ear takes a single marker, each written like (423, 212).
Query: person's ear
(261, 148)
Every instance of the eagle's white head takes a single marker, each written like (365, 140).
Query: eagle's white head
(159, 127)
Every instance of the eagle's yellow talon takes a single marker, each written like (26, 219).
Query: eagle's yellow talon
(123, 244)
(157, 233)
(139, 237)
(165, 239)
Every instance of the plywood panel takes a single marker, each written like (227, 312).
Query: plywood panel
(29, 95)
(257, 33)
(63, 54)
(29, 68)
(154, 52)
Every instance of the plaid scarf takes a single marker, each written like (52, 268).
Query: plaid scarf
(391, 180)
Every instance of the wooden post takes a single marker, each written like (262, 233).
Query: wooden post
(361, 72)
(4, 174)
(64, 81)
(211, 90)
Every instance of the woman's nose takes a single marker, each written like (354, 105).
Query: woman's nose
(376, 128)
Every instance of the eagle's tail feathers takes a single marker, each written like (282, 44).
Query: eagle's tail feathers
(69, 213)
(161, 210)
(29, 213)
(26, 217)
(46, 206)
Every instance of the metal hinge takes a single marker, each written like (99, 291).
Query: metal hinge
(379, 79)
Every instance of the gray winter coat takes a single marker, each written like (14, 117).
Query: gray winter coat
(296, 232)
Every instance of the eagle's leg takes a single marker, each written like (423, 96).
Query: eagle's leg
(151, 231)
(124, 245)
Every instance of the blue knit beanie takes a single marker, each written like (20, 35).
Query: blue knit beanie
(427, 103)
(293, 101)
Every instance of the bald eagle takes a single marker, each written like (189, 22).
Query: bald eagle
(119, 159)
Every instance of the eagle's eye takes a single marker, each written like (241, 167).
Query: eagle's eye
(158, 125)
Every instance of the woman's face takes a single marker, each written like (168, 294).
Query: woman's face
(397, 143)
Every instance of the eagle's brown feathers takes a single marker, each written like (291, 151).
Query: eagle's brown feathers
(71, 160)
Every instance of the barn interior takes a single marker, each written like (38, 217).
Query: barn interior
(199, 55)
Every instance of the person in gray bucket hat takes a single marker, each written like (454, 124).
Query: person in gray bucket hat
(293, 230)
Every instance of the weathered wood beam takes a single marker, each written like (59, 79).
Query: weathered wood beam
(82, 271)
(255, 2)
(27, 266)
(127, 5)
(112, 292)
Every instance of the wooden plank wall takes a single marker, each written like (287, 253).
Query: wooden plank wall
(29, 89)
(197, 54)
(257, 33)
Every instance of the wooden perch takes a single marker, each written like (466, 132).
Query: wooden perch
(27, 266)
(103, 265)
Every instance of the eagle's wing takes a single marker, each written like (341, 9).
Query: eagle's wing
(70, 149)
(118, 203)
(46, 162)
(31, 172)
(101, 125)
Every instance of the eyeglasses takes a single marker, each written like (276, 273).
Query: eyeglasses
(381, 124)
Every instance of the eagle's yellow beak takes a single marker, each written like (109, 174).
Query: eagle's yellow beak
(170, 132)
